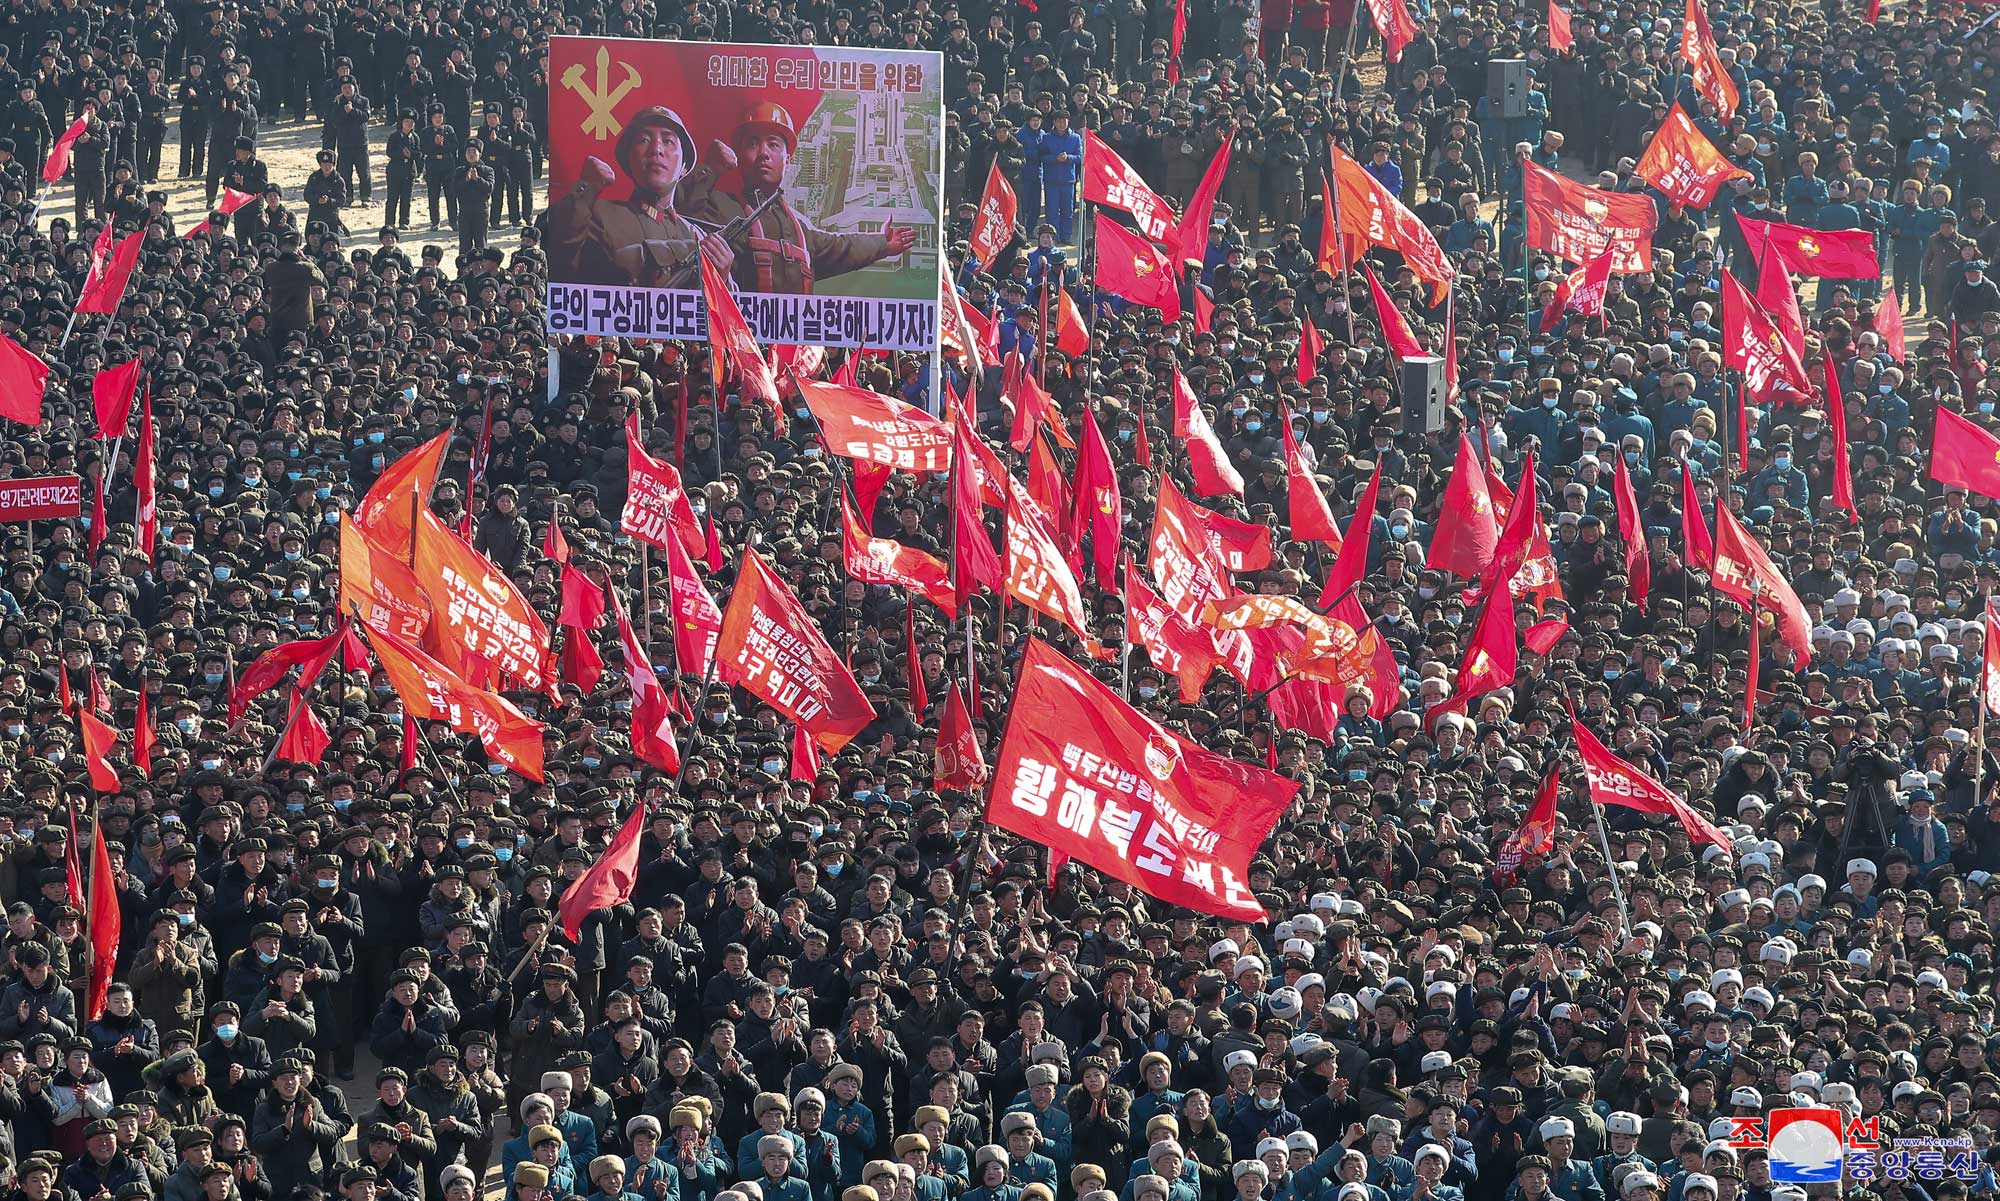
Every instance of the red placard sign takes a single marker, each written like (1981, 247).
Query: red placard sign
(40, 497)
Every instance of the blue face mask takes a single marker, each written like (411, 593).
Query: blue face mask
(226, 1031)
(376, 437)
(461, 843)
(212, 677)
(222, 572)
(503, 854)
(832, 869)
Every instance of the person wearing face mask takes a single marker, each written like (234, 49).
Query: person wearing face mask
(1782, 471)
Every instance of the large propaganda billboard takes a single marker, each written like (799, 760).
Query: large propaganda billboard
(812, 176)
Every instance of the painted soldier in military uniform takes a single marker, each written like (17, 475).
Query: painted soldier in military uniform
(779, 251)
(641, 239)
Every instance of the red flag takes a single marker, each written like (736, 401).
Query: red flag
(1204, 311)
(306, 737)
(958, 762)
(974, 561)
(1781, 300)
(712, 549)
(1330, 258)
(1752, 665)
(697, 619)
(1753, 344)
(146, 519)
(1705, 70)
(1188, 569)
(582, 600)
(231, 201)
(1352, 564)
(771, 647)
(1638, 564)
(1826, 253)
(608, 882)
(1108, 180)
(1889, 327)
(858, 424)
(476, 604)
(1214, 474)
(1465, 538)
(1178, 40)
(886, 561)
(869, 480)
(1616, 782)
(962, 327)
(1964, 455)
(1516, 540)
(431, 690)
(1311, 518)
(145, 737)
(1536, 835)
(1239, 545)
(912, 667)
(103, 294)
(1072, 335)
(1201, 209)
(99, 739)
(1560, 38)
(731, 344)
(1034, 408)
(1372, 215)
(1577, 221)
(1100, 509)
(1580, 292)
(105, 921)
(1683, 164)
(1989, 621)
(310, 655)
(582, 665)
(993, 228)
(1142, 452)
(387, 513)
(1172, 643)
(554, 545)
(1040, 792)
(1697, 544)
(63, 696)
(1311, 347)
(111, 393)
(23, 379)
(408, 758)
(1739, 560)
(1398, 28)
(1542, 637)
(656, 501)
(1038, 573)
(1842, 494)
(57, 164)
(1128, 267)
(652, 728)
(1395, 330)
(379, 587)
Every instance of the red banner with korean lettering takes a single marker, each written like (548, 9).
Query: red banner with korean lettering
(1577, 221)
(378, 586)
(656, 501)
(1088, 776)
(477, 607)
(993, 228)
(1683, 164)
(770, 646)
(1110, 181)
(1174, 644)
(1189, 572)
(873, 428)
(887, 561)
(431, 690)
(1705, 69)
(1372, 215)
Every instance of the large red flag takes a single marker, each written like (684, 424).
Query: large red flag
(1580, 292)
(1826, 253)
(1193, 234)
(1536, 835)
(1189, 571)
(230, 201)
(1395, 330)
(1705, 70)
(23, 380)
(886, 561)
(656, 501)
(858, 424)
(1214, 474)
(1697, 544)
(1740, 560)
(1372, 215)
(1465, 538)
(379, 587)
(1989, 666)
(1842, 493)
(697, 618)
(54, 167)
(958, 762)
(608, 882)
(1577, 221)
(1100, 509)
(433, 691)
(1616, 782)
(1038, 573)
(1075, 758)
(1683, 164)
(310, 655)
(105, 920)
(993, 228)
(1072, 335)
(1964, 455)
(477, 605)
(1128, 267)
(731, 344)
(975, 564)
(1889, 327)
(1632, 530)
(103, 294)
(1516, 540)
(1753, 344)
(652, 728)
(771, 647)
(111, 393)
(1560, 37)
(1240, 545)
(582, 600)
(1491, 658)
(1781, 302)
(1108, 180)
(1352, 564)
(1397, 26)
(1311, 517)
(1172, 643)
(387, 514)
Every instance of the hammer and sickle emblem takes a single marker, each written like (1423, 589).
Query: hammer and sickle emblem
(602, 98)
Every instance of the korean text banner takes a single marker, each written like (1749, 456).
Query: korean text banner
(814, 173)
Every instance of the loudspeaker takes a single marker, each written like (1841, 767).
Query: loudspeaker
(1420, 383)
(1507, 87)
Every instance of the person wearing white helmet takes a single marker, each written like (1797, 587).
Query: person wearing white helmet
(1570, 1179)
(1621, 1135)
(1432, 1164)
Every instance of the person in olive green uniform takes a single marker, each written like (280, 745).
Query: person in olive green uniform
(640, 239)
(779, 251)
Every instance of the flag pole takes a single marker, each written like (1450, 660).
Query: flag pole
(1611, 867)
(1125, 647)
(361, 627)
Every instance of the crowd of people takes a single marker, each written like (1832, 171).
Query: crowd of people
(341, 977)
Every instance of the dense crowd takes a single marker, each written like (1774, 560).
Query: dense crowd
(847, 987)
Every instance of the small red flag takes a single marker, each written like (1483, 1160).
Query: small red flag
(1889, 327)
(992, 229)
(408, 759)
(1396, 333)
(1536, 835)
(111, 393)
(652, 726)
(1100, 508)
(1616, 782)
(1842, 494)
(95, 538)
(1214, 474)
(1741, 560)
(582, 600)
(772, 647)
(23, 380)
(1072, 335)
(608, 882)
(1560, 37)
(1195, 219)
(1683, 164)
(1177, 41)
(307, 739)
(144, 736)
(1312, 518)
(805, 755)
(230, 201)
(1129, 267)
(958, 762)
(54, 167)
(1465, 538)
(1638, 564)
(103, 294)
(1705, 69)
(1352, 564)
(1697, 544)
(975, 564)
(1311, 347)
(919, 700)
(1964, 455)
(1580, 292)
(712, 551)
(555, 545)
(105, 920)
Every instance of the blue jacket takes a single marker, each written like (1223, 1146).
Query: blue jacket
(1061, 154)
